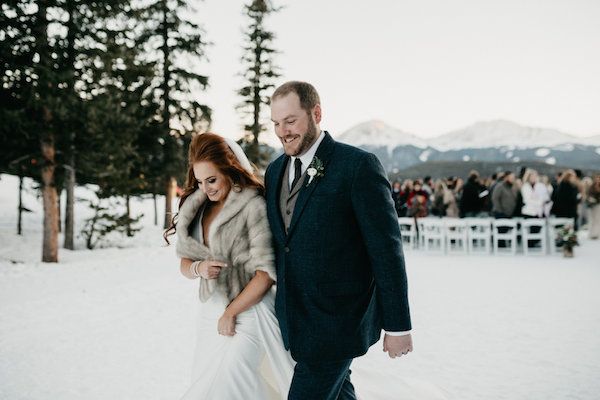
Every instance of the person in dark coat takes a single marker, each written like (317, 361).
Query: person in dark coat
(471, 202)
(397, 197)
(341, 278)
(566, 197)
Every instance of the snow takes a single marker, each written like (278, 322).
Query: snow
(378, 134)
(424, 156)
(118, 323)
(598, 150)
(543, 152)
(498, 133)
(466, 158)
(484, 134)
(550, 160)
(565, 147)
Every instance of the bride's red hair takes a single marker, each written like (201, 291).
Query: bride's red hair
(213, 148)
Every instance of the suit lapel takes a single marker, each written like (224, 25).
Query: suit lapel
(324, 153)
(275, 181)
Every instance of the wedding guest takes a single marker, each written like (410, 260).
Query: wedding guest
(428, 185)
(534, 194)
(443, 203)
(593, 203)
(471, 201)
(546, 181)
(397, 197)
(504, 197)
(415, 192)
(497, 178)
(566, 197)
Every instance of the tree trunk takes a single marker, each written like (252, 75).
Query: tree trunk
(50, 198)
(58, 213)
(69, 212)
(20, 211)
(169, 194)
(41, 110)
(72, 27)
(128, 205)
(155, 210)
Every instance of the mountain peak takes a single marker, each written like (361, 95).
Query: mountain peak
(376, 133)
(500, 133)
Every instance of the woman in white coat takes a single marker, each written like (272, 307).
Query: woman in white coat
(535, 195)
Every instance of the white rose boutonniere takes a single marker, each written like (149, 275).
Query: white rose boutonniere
(315, 169)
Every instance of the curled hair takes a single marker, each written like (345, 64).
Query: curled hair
(213, 148)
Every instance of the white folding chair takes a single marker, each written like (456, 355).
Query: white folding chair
(456, 235)
(555, 224)
(408, 231)
(479, 235)
(534, 236)
(505, 230)
(432, 234)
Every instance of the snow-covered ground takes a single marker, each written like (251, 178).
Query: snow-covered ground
(118, 323)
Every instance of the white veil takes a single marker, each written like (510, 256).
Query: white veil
(239, 154)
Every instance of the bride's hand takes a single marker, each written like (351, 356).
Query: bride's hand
(226, 325)
(210, 269)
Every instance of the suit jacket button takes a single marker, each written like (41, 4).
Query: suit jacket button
(287, 249)
(288, 212)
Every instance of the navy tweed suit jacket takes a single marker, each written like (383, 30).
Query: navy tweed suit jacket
(340, 269)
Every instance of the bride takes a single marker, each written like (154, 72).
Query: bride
(224, 241)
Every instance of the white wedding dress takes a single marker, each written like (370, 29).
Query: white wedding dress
(252, 364)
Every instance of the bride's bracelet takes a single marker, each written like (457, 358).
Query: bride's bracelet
(194, 269)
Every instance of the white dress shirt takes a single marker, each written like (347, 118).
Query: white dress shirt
(306, 159)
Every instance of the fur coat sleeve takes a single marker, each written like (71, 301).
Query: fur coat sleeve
(239, 236)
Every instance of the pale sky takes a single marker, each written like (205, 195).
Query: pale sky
(423, 66)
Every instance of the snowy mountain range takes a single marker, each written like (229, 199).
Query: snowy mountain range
(490, 141)
(485, 134)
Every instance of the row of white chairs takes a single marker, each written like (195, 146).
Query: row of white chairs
(483, 235)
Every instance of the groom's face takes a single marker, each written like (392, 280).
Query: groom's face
(296, 128)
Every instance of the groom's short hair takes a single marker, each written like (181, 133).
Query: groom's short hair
(307, 93)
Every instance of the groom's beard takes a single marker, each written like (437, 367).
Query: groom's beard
(309, 137)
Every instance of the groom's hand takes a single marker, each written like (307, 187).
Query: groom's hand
(396, 346)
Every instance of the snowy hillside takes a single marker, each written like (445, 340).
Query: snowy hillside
(119, 323)
(492, 141)
(485, 134)
(501, 133)
(378, 134)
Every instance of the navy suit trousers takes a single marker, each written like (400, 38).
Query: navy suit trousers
(322, 381)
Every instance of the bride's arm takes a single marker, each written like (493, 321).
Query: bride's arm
(208, 269)
(184, 267)
(254, 291)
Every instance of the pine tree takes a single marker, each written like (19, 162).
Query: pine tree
(260, 74)
(176, 85)
(18, 131)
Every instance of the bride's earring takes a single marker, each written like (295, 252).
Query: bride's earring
(236, 188)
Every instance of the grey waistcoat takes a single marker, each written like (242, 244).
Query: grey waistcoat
(287, 199)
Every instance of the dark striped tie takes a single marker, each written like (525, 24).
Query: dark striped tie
(297, 172)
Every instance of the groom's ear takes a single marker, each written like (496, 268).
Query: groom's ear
(316, 113)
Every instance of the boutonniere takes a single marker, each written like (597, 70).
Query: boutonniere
(315, 169)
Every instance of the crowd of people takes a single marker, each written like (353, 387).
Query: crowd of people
(504, 195)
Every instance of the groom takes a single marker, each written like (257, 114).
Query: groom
(340, 267)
